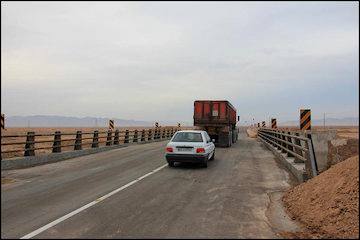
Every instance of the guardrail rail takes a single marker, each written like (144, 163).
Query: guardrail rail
(78, 140)
(297, 145)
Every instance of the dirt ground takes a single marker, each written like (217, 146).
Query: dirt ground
(251, 132)
(23, 131)
(348, 133)
(328, 205)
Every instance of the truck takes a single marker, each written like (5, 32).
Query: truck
(218, 119)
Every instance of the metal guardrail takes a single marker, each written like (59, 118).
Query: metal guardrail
(116, 137)
(294, 144)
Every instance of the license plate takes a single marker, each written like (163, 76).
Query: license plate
(184, 149)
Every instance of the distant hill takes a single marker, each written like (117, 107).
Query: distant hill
(61, 121)
(328, 122)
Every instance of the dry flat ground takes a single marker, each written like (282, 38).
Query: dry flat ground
(23, 131)
(342, 131)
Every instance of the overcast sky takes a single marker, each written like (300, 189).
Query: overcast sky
(151, 60)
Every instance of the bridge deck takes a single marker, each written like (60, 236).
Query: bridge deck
(228, 199)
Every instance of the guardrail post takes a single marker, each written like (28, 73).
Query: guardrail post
(95, 142)
(143, 135)
(149, 135)
(109, 138)
(291, 148)
(78, 141)
(167, 133)
(116, 137)
(277, 135)
(57, 142)
(275, 140)
(159, 132)
(311, 156)
(126, 139)
(30, 145)
(298, 151)
(282, 143)
(135, 138)
(163, 133)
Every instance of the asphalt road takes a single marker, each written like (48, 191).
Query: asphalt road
(237, 196)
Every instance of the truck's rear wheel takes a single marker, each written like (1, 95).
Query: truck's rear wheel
(234, 137)
(229, 139)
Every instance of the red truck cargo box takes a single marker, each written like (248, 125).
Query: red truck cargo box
(217, 112)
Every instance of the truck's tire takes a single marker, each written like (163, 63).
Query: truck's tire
(230, 139)
(235, 136)
(171, 164)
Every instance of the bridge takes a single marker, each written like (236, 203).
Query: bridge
(131, 192)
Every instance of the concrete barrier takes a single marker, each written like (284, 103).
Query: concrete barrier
(320, 140)
(31, 161)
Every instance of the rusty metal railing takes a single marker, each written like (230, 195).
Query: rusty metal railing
(80, 140)
(294, 144)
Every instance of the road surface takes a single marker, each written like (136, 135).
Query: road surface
(235, 197)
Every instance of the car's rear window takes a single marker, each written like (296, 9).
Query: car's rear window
(187, 137)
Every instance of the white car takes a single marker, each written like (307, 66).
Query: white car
(190, 146)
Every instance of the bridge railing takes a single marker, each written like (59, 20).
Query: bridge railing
(29, 144)
(292, 143)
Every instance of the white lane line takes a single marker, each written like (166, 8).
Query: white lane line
(69, 215)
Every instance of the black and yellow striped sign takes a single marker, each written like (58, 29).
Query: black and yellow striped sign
(273, 123)
(305, 119)
(178, 124)
(156, 124)
(3, 121)
(111, 124)
(258, 125)
(263, 124)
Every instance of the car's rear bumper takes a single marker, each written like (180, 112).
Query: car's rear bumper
(192, 158)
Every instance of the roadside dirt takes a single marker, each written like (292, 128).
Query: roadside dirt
(6, 180)
(327, 206)
(251, 132)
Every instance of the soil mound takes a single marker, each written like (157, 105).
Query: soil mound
(252, 133)
(327, 205)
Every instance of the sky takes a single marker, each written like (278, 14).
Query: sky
(151, 60)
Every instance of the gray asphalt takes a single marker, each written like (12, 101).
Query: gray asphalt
(235, 197)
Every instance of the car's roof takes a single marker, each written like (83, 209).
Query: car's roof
(194, 131)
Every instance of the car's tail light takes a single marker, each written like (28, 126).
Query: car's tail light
(169, 149)
(200, 150)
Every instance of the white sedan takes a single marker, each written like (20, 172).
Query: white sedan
(190, 146)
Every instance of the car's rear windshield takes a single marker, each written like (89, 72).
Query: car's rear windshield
(187, 137)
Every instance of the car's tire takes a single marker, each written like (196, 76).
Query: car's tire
(213, 156)
(205, 163)
(171, 164)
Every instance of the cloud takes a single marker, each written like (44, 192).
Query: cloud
(144, 60)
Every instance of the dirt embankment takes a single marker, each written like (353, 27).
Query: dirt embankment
(327, 205)
(251, 132)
